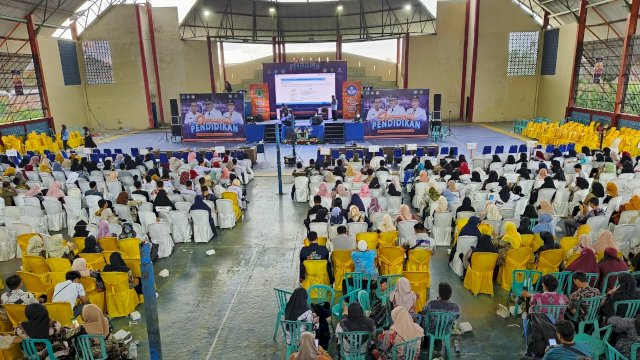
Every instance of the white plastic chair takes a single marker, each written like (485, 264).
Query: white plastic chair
(442, 228)
(138, 197)
(202, 232)
(180, 226)
(302, 188)
(545, 194)
(183, 206)
(597, 223)
(463, 245)
(146, 218)
(226, 215)
(405, 230)
(123, 212)
(16, 229)
(393, 204)
(38, 222)
(56, 217)
(354, 228)
(628, 217)
(160, 233)
(561, 202)
(32, 176)
(73, 216)
(626, 237)
(176, 198)
(8, 245)
(145, 206)
(31, 201)
(321, 228)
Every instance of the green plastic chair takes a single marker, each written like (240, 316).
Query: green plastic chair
(357, 281)
(392, 281)
(521, 279)
(563, 277)
(282, 296)
(409, 349)
(323, 293)
(30, 349)
(532, 223)
(83, 347)
(597, 341)
(614, 354)
(603, 290)
(363, 299)
(591, 317)
(442, 330)
(554, 312)
(633, 307)
(336, 310)
(592, 280)
(294, 328)
(356, 340)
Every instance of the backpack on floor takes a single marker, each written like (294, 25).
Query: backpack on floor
(540, 330)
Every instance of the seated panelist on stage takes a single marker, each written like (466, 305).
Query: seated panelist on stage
(212, 113)
(415, 112)
(232, 115)
(394, 108)
(374, 113)
(192, 116)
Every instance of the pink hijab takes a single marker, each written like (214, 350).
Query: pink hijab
(357, 177)
(55, 190)
(605, 241)
(342, 190)
(323, 191)
(225, 173)
(364, 191)
(405, 213)
(424, 177)
(191, 157)
(543, 173)
(103, 230)
(35, 190)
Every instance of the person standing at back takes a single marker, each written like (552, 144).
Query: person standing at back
(334, 108)
(64, 136)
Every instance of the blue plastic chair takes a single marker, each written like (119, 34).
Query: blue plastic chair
(83, 347)
(605, 281)
(208, 155)
(408, 174)
(409, 349)
(522, 148)
(564, 286)
(513, 149)
(30, 349)
(335, 155)
(444, 150)
(357, 349)
(571, 146)
(563, 148)
(420, 152)
(486, 150)
(135, 152)
(614, 354)
(453, 151)
(65, 155)
(592, 280)
(633, 307)
(357, 281)
(392, 281)
(107, 152)
(117, 151)
(397, 155)
(521, 279)
(95, 157)
(95, 151)
(294, 329)
(499, 150)
(164, 159)
(442, 330)
(597, 340)
(549, 149)
(348, 298)
(319, 294)
(282, 297)
(554, 312)
(360, 153)
(591, 317)
(348, 154)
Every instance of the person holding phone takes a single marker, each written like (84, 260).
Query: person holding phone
(568, 349)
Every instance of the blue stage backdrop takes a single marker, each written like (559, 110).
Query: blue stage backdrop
(207, 117)
(396, 113)
(322, 94)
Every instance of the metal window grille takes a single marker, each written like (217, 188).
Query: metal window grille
(631, 100)
(523, 54)
(19, 94)
(97, 61)
(598, 74)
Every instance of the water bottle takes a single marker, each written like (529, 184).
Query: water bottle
(456, 346)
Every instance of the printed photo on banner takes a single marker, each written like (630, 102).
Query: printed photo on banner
(212, 116)
(396, 112)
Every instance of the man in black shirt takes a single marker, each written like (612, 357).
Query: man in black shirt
(317, 205)
(139, 190)
(314, 252)
(382, 166)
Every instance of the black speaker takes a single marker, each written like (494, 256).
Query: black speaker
(437, 100)
(316, 120)
(176, 130)
(175, 110)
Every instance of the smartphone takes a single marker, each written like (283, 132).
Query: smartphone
(491, 197)
(75, 323)
(317, 342)
(552, 342)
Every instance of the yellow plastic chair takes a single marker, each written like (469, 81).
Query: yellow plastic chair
(15, 313)
(342, 263)
(479, 276)
(370, 237)
(567, 243)
(107, 256)
(571, 259)
(130, 248)
(61, 312)
(234, 198)
(322, 241)
(460, 223)
(94, 261)
(549, 261)
(57, 277)
(389, 238)
(134, 265)
(419, 260)
(58, 264)
(37, 284)
(121, 300)
(391, 260)
(79, 241)
(600, 255)
(527, 240)
(109, 244)
(90, 288)
(420, 281)
(23, 241)
(315, 273)
(516, 259)
(35, 264)
(537, 242)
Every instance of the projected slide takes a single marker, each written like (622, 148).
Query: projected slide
(294, 89)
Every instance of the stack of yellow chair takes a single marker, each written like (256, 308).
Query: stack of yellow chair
(12, 142)
(75, 139)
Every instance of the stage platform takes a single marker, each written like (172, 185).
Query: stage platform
(329, 131)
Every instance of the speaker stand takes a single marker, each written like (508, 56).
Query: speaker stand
(449, 131)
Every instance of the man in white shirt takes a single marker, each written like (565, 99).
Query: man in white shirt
(395, 109)
(16, 295)
(579, 172)
(232, 116)
(343, 241)
(374, 113)
(192, 115)
(212, 113)
(70, 290)
(420, 240)
(334, 108)
(188, 188)
(415, 112)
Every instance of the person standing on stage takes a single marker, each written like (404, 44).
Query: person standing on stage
(192, 116)
(232, 116)
(374, 113)
(212, 113)
(415, 112)
(227, 86)
(334, 107)
(395, 109)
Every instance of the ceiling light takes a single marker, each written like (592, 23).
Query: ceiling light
(272, 10)
(206, 13)
(407, 7)
(339, 7)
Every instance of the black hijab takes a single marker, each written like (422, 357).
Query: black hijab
(597, 190)
(471, 228)
(493, 177)
(548, 183)
(524, 172)
(91, 246)
(523, 158)
(571, 154)
(559, 175)
(485, 245)
(455, 175)
(356, 320)
(117, 264)
(355, 200)
(627, 167)
(525, 223)
(582, 183)
(495, 159)
(511, 160)
(530, 212)
(504, 194)
(297, 304)
(428, 165)
(37, 324)
(163, 200)
(199, 204)
(475, 177)
(556, 153)
(466, 205)
(599, 157)
(80, 229)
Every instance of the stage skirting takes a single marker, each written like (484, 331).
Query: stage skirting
(352, 131)
(317, 131)
(254, 133)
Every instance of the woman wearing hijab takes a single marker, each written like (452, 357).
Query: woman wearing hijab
(323, 190)
(364, 191)
(103, 230)
(45, 166)
(530, 212)
(584, 242)
(307, 349)
(386, 224)
(55, 190)
(405, 214)
(341, 190)
(475, 177)
(57, 247)
(440, 206)
(471, 228)
(35, 246)
(393, 189)
(355, 200)
(545, 208)
(355, 320)
(91, 245)
(627, 167)
(403, 297)
(493, 178)
(80, 265)
(524, 172)
(40, 326)
(337, 216)
(199, 204)
(549, 243)
(612, 191)
(586, 262)
(544, 224)
(511, 232)
(633, 204)
(374, 206)
(95, 323)
(34, 191)
(355, 215)
(627, 290)
(485, 245)
(80, 229)
(163, 200)
(117, 264)
(492, 212)
(403, 329)
(605, 241)
(297, 309)
(465, 206)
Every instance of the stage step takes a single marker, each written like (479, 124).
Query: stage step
(270, 133)
(333, 132)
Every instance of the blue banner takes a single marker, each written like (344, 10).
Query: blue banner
(396, 113)
(207, 117)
